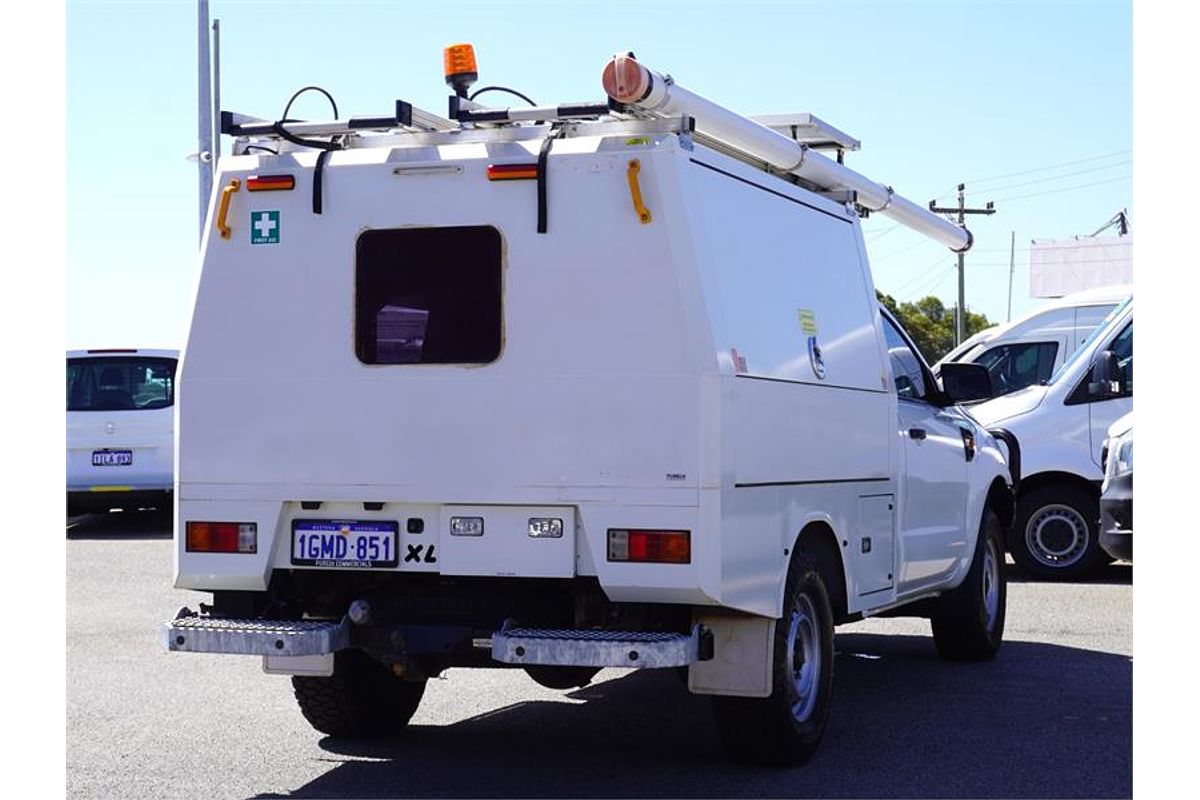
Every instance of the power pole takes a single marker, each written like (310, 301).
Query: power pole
(960, 313)
(204, 155)
(1012, 264)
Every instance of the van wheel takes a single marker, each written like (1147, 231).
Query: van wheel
(1056, 533)
(561, 678)
(786, 727)
(969, 624)
(361, 699)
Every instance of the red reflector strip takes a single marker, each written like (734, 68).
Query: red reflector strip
(270, 183)
(222, 537)
(656, 547)
(512, 172)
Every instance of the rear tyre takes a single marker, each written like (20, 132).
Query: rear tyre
(969, 625)
(561, 678)
(786, 727)
(361, 699)
(1056, 533)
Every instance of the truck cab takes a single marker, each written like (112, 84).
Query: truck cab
(563, 389)
(1056, 530)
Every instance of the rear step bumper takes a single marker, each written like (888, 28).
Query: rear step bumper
(586, 648)
(189, 633)
(256, 637)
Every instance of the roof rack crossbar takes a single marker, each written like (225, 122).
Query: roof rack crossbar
(406, 116)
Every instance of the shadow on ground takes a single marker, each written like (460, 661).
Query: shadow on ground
(1117, 573)
(904, 724)
(146, 524)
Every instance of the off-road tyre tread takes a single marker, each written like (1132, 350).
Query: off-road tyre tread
(960, 630)
(362, 698)
(762, 730)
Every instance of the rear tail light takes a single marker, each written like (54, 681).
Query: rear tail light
(512, 172)
(654, 547)
(270, 183)
(222, 537)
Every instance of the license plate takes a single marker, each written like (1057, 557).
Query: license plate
(345, 544)
(112, 458)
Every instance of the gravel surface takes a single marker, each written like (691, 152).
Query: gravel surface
(1051, 716)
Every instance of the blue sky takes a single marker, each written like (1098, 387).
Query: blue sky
(938, 92)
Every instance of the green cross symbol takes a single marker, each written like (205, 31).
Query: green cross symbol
(264, 227)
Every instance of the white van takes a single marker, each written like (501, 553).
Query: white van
(1028, 351)
(120, 429)
(1062, 427)
(565, 390)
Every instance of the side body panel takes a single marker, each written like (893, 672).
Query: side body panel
(806, 430)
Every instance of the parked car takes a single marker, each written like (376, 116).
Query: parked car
(1116, 493)
(1061, 427)
(120, 429)
(1029, 350)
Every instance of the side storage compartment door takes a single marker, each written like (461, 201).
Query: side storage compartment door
(874, 545)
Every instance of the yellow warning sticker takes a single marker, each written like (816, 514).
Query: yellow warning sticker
(635, 141)
(808, 321)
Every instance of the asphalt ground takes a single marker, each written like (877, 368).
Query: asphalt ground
(1051, 716)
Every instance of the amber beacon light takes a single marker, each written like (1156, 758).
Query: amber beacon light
(459, 63)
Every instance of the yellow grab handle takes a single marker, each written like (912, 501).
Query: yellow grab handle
(635, 191)
(223, 211)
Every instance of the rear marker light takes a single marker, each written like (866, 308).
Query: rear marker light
(512, 172)
(270, 183)
(466, 526)
(545, 528)
(654, 547)
(222, 537)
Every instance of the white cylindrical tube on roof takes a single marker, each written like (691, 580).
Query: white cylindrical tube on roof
(631, 83)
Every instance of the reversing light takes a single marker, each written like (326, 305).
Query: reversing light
(647, 546)
(466, 526)
(222, 537)
(545, 528)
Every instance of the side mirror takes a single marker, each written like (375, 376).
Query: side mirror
(963, 382)
(1106, 376)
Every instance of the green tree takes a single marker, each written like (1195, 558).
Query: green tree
(931, 324)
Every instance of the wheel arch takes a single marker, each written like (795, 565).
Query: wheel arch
(1051, 477)
(817, 537)
(1002, 502)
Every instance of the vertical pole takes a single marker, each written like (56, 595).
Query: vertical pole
(1012, 262)
(204, 158)
(960, 313)
(216, 92)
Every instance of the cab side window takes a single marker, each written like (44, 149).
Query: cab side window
(1020, 364)
(1122, 348)
(905, 364)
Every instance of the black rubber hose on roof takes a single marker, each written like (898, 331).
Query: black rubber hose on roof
(478, 92)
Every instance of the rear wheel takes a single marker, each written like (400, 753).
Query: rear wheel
(363, 698)
(561, 678)
(786, 727)
(1056, 533)
(969, 624)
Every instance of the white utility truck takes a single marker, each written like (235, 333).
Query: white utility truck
(565, 388)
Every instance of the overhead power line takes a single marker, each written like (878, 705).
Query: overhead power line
(1059, 177)
(1052, 166)
(1064, 189)
(1042, 169)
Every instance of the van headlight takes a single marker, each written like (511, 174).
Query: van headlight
(1123, 455)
